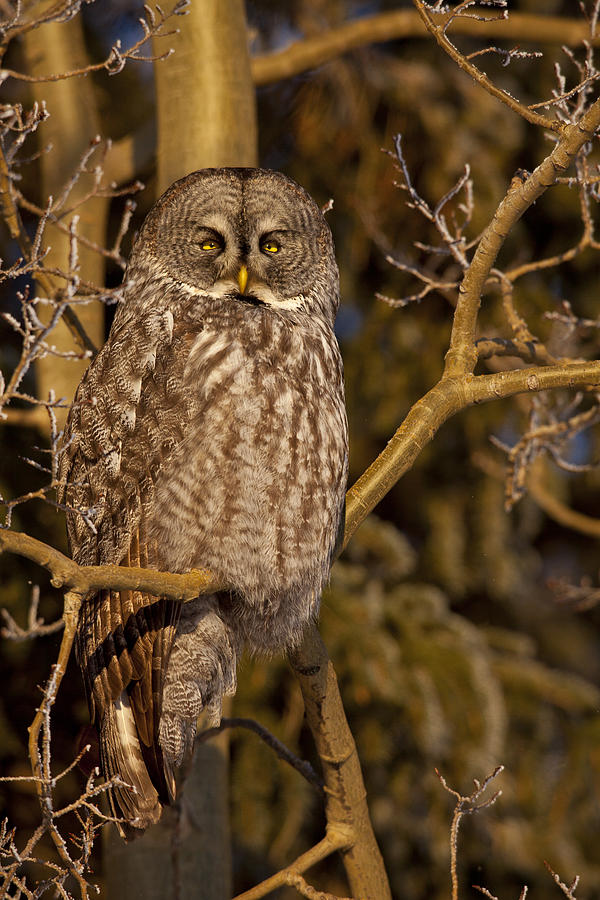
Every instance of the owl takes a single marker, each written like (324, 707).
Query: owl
(209, 432)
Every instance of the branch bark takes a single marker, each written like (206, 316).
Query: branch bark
(84, 579)
(462, 355)
(309, 53)
(335, 839)
(346, 804)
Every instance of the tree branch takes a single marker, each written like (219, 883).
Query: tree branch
(300, 765)
(309, 53)
(346, 803)
(462, 354)
(335, 839)
(449, 396)
(83, 579)
(438, 31)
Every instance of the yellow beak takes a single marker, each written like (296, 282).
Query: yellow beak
(243, 279)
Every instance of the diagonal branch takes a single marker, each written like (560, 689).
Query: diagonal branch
(448, 397)
(334, 840)
(301, 765)
(401, 24)
(462, 354)
(479, 77)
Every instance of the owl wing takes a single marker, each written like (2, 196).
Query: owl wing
(127, 416)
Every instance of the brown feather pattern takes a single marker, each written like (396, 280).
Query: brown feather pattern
(209, 431)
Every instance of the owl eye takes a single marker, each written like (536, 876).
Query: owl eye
(210, 245)
(270, 247)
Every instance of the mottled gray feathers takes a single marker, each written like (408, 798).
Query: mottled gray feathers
(210, 431)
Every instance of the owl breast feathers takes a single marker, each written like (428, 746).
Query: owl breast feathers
(209, 432)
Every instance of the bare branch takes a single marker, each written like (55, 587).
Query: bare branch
(35, 626)
(461, 356)
(466, 805)
(568, 890)
(83, 579)
(335, 839)
(301, 765)
(152, 27)
(311, 52)
(549, 433)
(439, 33)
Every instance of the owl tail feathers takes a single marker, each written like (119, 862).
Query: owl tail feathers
(136, 800)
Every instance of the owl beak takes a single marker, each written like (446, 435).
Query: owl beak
(243, 279)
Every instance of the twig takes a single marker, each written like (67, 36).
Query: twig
(301, 765)
(439, 33)
(306, 890)
(115, 61)
(35, 625)
(547, 434)
(466, 805)
(461, 356)
(568, 890)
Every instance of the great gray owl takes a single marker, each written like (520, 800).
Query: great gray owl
(210, 431)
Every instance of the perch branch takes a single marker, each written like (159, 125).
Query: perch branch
(449, 396)
(83, 579)
(346, 805)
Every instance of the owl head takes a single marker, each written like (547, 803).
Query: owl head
(252, 236)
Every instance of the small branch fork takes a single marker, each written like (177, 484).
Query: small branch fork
(465, 805)
(36, 626)
(333, 841)
(567, 889)
(548, 433)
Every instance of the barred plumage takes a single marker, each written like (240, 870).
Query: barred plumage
(210, 431)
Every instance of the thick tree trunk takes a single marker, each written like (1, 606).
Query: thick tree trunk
(206, 116)
(72, 124)
(206, 106)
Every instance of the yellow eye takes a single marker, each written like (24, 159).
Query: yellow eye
(270, 246)
(210, 245)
